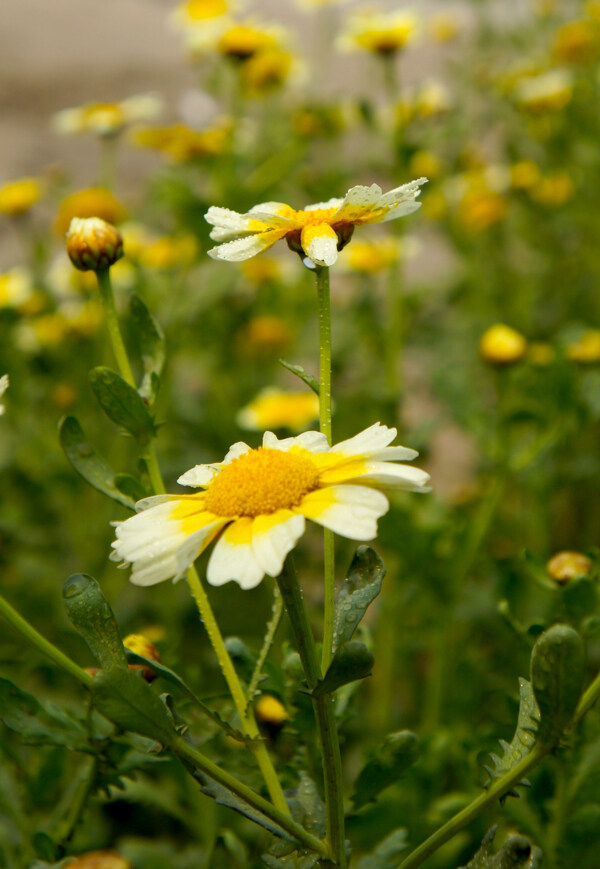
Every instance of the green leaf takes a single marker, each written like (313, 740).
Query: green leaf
(91, 615)
(307, 807)
(351, 662)
(174, 679)
(310, 380)
(398, 752)
(358, 590)
(45, 847)
(130, 486)
(244, 660)
(291, 861)
(516, 853)
(130, 703)
(557, 674)
(387, 854)
(39, 723)
(122, 404)
(88, 463)
(523, 740)
(151, 345)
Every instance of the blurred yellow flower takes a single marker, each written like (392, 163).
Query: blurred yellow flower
(481, 208)
(273, 408)
(107, 119)
(267, 70)
(16, 287)
(577, 42)
(141, 645)
(370, 257)
(255, 503)
(17, 197)
(541, 353)
(425, 163)
(266, 334)
(444, 26)
(199, 12)
(379, 33)
(592, 10)
(99, 860)
(501, 345)
(435, 205)
(182, 144)
(430, 100)
(555, 189)
(524, 175)
(170, 252)
(270, 711)
(585, 349)
(566, 565)
(317, 4)
(547, 92)
(91, 202)
(317, 231)
(244, 40)
(262, 270)
(64, 281)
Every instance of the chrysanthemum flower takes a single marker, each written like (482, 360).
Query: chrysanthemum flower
(547, 92)
(318, 231)
(16, 287)
(90, 202)
(379, 33)
(274, 408)
(17, 197)
(256, 501)
(182, 144)
(106, 119)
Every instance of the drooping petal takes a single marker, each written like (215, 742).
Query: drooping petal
(367, 442)
(319, 241)
(313, 441)
(233, 558)
(351, 511)
(406, 193)
(247, 246)
(274, 536)
(199, 475)
(390, 475)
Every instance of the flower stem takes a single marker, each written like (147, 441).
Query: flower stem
(267, 643)
(485, 799)
(324, 711)
(44, 645)
(112, 323)
(324, 310)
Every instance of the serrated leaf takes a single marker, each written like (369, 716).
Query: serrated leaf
(91, 615)
(131, 704)
(358, 590)
(351, 662)
(174, 679)
(387, 854)
(88, 463)
(524, 738)
(130, 486)
(557, 674)
(39, 723)
(398, 752)
(516, 853)
(310, 380)
(151, 345)
(122, 403)
(307, 807)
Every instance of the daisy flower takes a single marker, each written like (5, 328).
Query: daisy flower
(318, 231)
(274, 408)
(255, 503)
(106, 119)
(379, 33)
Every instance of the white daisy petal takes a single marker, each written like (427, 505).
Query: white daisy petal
(393, 476)
(404, 193)
(233, 559)
(360, 197)
(313, 441)
(369, 441)
(401, 210)
(391, 454)
(235, 451)
(320, 242)
(274, 536)
(350, 511)
(152, 501)
(199, 475)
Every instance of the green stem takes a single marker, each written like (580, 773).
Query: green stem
(324, 314)
(485, 799)
(44, 645)
(268, 642)
(189, 755)
(590, 697)
(112, 323)
(83, 789)
(324, 711)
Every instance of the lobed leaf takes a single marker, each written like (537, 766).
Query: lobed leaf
(516, 853)
(358, 590)
(557, 674)
(523, 740)
(131, 704)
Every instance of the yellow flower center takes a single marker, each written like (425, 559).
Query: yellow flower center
(199, 10)
(260, 482)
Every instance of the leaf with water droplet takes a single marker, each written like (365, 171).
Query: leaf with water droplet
(310, 380)
(151, 345)
(91, 615)
(557, 674)
(351, 662)
(516, 853)
(357, 592)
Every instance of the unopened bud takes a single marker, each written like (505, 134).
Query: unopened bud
(271, 713)
(100, 860)
(501, 345)
(565, 566)
(93, 244)
(140, 645)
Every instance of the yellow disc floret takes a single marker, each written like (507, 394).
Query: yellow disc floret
(260, 482)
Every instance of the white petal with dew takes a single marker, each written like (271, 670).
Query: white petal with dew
(367, 442)
(241, 249)
(322, 249)
(272, 540)
(350, 511)
(235, 451)
(233, 561)
(199, 475)
(313, 441)
(393, 476)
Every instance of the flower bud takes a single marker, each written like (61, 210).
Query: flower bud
(501, 345)
(100, 860)
(565, 566)
(271, 714)
(140, 645)
(93, 244)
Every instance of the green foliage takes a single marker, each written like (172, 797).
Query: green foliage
(387, 853)
(151, 346)
(309, 379)
(351, 662)
(516, 853)
(127, 701)
(122, 404)
(398, 753)
(524, 738)
(40, 723)
(91, 616)
(557, 673)
(357, 592)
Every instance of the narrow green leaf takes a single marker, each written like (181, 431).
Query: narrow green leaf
(358, 590)
(557, 674)
(130, 486)
(351, 662)
(398, 752)
(91, 615)
(387, 854)
(310, 380)
(88, 463)
(151, 344)
(39, 723)
(131, 704)
(122, 404)
(308, 809)
(524, 738)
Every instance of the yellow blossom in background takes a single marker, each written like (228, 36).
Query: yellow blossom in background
(443, 26)
(263, 269)
(70, 320)
(547, 92)
(274, 408)
(91, 202)
(64, 281)
(317, 231)
(268, 70)
(245, 39)
(17, 197)
(379, 33)
(430, 99)
(265, 334)
(376, 255)
(255, 503)
(141, 645)
(577, 42)
(4, 384)
(592, 10)
(585, 349)
(16, 287)
(555, 189)
(425, 163)
(501, 345)
(524, 175)
(99, 860)
(435, 205)
(318, 4)
(170, 252)
(107, 119)
(270, 711)
(541, 353)
(565, 566)
(481, 208)
(201, 22)
(182, 144)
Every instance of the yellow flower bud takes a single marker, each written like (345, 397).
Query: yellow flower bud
(270, 711)
(93, 244)
(501, 345)
(100, 860)
(565, 566)
(141, 645)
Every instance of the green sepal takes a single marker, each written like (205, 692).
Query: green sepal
(351, 662)
(91, 615)
(523, 740)
(88, 463)
(39, 723)
(557, 674)
(151, 345)
(310, 380)
(130, 703)
(398, 752)
(358, 590)
(122, 404)
(516, 853)
(387, 853)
